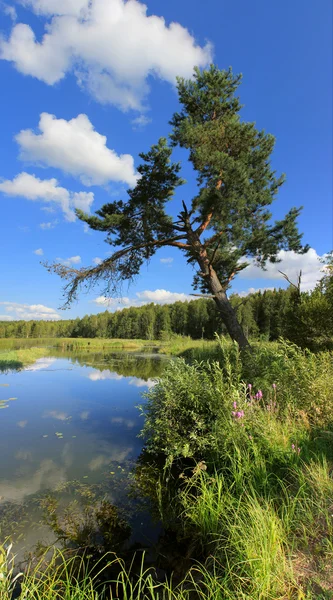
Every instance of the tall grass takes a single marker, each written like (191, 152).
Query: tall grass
(238, 465)
(17, 359)
(252, 466)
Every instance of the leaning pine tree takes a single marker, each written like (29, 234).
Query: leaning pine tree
(228, 221)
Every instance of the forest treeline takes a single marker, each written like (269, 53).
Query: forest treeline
(304, 318)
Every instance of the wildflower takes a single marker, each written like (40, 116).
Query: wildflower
(238, 414)
(274, 386)
(249, 386)
(293, 446)
(235, 405)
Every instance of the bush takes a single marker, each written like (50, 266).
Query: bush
(246, 444)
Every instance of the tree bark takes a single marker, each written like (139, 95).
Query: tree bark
(227, 312)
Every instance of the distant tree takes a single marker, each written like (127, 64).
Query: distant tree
(236, 185)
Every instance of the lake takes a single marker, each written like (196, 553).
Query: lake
(70, 426)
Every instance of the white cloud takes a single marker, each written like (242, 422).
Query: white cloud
(31, 187)
(56, 7)
(166, 261)
(39, 252)
(253, 290)
(162, 297)
(48, 225)
(69, 262)
(291, 264)
(27, 312)
(110, 46)
(140, 122)
(10, 11)
(86, 229)
(114, 302)
(97, 260)
(146, 297)
(76, 148)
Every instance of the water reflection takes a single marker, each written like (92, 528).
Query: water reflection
(75, 419)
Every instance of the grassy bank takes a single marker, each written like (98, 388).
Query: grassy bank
(238, 466)
(18, 359)
(177, 346)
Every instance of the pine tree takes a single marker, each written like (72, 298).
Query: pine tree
(227, 222)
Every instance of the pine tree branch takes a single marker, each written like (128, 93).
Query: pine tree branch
(204, 225)
(106, 269)
(203, 295)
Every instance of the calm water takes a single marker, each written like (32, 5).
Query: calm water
(70, 418)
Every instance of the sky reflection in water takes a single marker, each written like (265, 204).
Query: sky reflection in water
(71, 421)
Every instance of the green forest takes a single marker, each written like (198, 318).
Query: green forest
(305, 318)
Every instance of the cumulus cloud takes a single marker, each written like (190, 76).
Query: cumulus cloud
(291, 264)
(69, 262)
(31, 187)
(36, 312)
(56, 7)
(114, 302)
(146, 297)
(111, 47)
(253, 290)
(162, 297)
(39, 252)
(97, 260)
(76, 148)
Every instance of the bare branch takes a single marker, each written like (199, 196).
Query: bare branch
(240, 303)
(203, 295)
(296, 286)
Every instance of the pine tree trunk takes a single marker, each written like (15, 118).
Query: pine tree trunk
(227, 312)
(228, 315)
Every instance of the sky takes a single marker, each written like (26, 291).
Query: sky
(87, 86)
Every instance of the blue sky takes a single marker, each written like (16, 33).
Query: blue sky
(115, 64)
